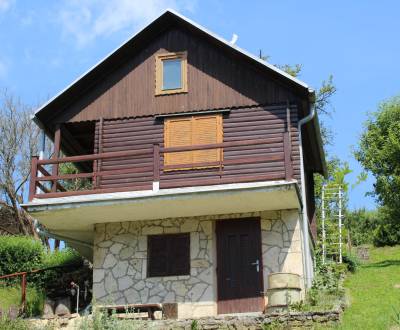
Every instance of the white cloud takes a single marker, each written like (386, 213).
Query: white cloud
(5, 5)
(86, 20)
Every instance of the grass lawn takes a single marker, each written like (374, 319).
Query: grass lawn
(11, 296)
(374, 292)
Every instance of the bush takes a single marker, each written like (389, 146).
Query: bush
(351, 262)
(66, 258)
(20, 253)
(387, 234)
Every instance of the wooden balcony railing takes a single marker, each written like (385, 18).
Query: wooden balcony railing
(44, 184)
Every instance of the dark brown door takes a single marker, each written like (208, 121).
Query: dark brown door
(239, 267)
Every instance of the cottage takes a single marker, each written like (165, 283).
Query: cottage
(194, 180)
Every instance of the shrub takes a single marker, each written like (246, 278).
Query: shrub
(351, 262)
(66, 258)
(387, 234)
(20, 253)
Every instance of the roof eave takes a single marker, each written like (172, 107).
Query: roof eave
(241, 51)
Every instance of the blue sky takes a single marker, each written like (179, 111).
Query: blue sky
(45, 45)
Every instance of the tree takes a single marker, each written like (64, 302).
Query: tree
(18, 143)
(379, 152)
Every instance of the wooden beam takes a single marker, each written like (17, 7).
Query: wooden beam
(32, 183)
(56, 154)
(45, 173)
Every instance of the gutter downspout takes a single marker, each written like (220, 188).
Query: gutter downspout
(306, 241)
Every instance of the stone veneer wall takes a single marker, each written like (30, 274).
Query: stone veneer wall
(120, 260)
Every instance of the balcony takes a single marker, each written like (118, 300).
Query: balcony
(235, 165)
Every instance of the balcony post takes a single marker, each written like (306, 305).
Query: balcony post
(156, 167)
(32, 183)
(56, 154)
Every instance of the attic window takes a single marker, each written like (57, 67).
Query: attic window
(171, 73)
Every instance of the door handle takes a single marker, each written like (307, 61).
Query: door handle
(257, 264)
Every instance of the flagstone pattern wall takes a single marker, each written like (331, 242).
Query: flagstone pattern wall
(120, 260)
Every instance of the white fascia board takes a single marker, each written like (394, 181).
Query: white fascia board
(38, 205)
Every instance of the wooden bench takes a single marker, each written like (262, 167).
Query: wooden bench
(133, 308)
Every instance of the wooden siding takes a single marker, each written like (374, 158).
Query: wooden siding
(215, 80)
(240, 124)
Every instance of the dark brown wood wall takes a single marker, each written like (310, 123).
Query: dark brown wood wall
(215, 80)
(240, 124)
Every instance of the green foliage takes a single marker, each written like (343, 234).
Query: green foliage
(361, 225)
(194, 325)
(379, 151)
(351, 262)
(293, 70)
(20, 253)
(66, 257)
(74, 184)
(388, 230)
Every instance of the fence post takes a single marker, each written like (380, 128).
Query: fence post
(156, 167)
(23, 290)
(32, 183)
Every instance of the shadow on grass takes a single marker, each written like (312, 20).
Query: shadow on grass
(381, 264)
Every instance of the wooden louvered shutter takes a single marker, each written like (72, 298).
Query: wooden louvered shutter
(168, 255)
(157, 256)
(178, 133)
(191, 131)
(207, 130)
(179, 261)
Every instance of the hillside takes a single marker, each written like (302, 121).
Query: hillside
(374, 292)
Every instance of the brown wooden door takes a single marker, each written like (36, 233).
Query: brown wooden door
(239, 267)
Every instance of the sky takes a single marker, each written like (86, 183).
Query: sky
(45, 45)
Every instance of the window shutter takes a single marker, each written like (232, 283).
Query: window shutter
(207, 130)
(180, 250)
(178, 133)
(168, 255)
(158, 253)
(191, 131)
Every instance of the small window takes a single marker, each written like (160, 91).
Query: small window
(192, 131)
(171, 73)
(168, 255)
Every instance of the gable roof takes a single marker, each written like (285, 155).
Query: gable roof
(163, 22)
(166, 20)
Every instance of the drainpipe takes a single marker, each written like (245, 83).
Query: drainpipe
(306, 241)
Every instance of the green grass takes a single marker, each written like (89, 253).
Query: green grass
(11, 296)
(372, 293)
